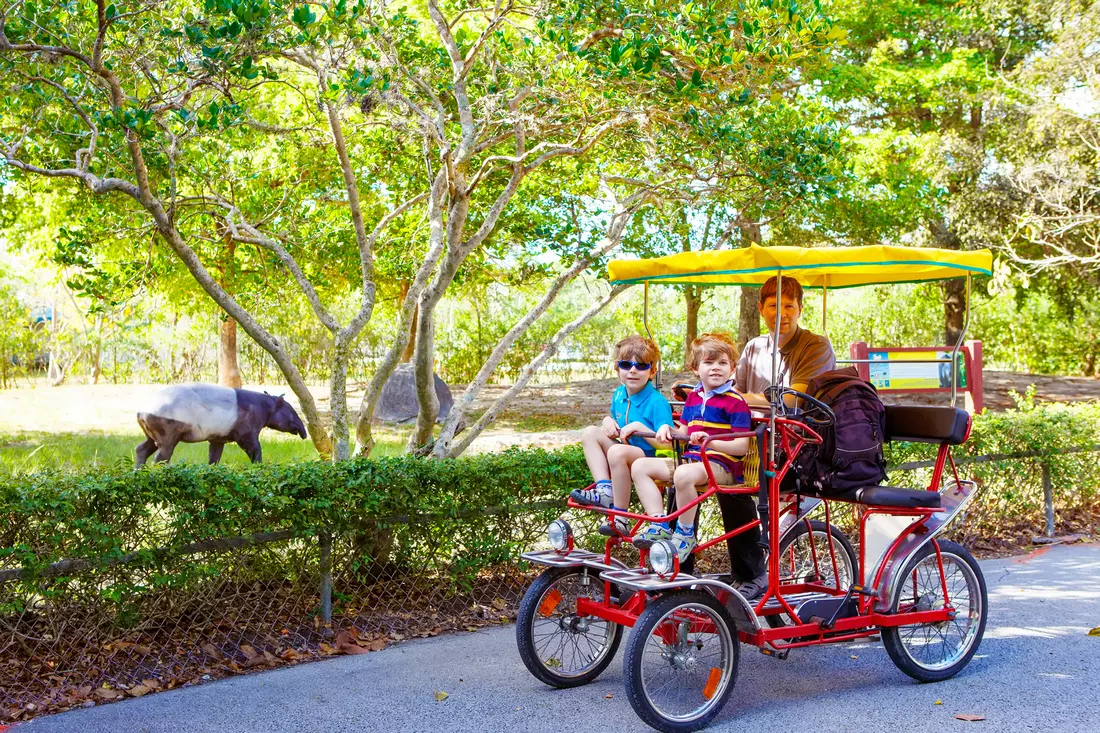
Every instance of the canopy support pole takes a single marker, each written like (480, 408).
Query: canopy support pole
(775, 366)
(645, 321)
(824, 307)
(958, 345)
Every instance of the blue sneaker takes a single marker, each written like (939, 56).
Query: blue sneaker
(651, 534)
(598, 496)
(685, 544)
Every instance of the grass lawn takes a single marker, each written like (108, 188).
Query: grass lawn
(26, 452)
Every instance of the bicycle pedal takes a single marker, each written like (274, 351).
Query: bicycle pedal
(863, 590)
(779, 654)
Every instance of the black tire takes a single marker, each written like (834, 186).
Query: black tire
(557, 647)
(923, 651)
(796, 560)
(647, 656)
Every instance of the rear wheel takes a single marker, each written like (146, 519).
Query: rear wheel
(556, 645)
(681, 661)
(936, 651)
(796, 560)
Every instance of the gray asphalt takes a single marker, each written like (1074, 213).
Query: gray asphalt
(1036, 670)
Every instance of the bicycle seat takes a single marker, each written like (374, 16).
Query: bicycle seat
(925, 424)
(888, 496)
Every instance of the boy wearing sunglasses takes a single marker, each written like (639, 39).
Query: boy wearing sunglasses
(612, 447)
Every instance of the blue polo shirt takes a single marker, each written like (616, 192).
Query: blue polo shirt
(648, 407)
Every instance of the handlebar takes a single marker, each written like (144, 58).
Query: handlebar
(776, 393)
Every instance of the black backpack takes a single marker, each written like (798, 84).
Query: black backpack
(850, 456)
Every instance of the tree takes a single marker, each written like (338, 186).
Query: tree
(920, 83)
(305, 131)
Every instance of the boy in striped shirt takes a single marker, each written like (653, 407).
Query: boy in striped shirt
(713, 407)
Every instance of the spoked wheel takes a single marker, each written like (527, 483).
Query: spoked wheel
(936, 651)
(559, 647)
(681, 661)
(796, 560)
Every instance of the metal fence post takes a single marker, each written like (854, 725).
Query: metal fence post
(1048, 498)
(324, 540)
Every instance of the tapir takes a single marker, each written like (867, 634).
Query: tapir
(193, 413)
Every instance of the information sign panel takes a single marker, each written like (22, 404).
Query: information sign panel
(888, 371)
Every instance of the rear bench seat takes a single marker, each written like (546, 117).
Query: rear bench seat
(914, 424)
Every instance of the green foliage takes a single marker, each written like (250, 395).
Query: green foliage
(21, 340)
(1011, 491)
(436, 508)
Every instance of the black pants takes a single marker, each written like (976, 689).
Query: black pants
(746, 554)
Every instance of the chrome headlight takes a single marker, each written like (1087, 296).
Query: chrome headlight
(662, 557)
(560, 535)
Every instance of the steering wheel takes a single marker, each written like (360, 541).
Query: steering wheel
(817, 413)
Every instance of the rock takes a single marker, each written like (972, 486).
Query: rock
(397, 403)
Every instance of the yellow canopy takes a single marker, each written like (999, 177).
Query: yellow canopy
(833, 267)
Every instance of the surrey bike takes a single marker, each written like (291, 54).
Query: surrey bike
(926, 596)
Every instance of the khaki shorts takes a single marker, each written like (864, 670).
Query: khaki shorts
(721, 474)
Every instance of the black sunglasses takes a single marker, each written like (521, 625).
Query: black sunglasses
(642, 366)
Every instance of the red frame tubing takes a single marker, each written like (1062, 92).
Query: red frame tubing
(627, 614)
(792, 436)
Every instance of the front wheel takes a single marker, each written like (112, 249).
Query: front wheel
(556, 645)
(681, 661)
(936, 651)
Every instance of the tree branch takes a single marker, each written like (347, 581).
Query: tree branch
(529, 371)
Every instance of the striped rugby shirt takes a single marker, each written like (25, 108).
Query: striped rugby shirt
(722, 410)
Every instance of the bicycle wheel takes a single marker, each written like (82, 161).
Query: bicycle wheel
(556, 645)
(681, 661)
(796, 560)
(936, 651)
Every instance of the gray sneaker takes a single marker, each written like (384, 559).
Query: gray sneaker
(619, 527)
(592, 497)
(754, 588)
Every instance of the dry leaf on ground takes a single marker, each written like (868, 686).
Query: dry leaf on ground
(968, 717)
(1095, 632)
(440, 696)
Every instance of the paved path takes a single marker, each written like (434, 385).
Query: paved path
(1037, 670)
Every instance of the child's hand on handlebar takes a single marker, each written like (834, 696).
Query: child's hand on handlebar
(664, 434)
(635, 427)
(697, 437)
(610, 427)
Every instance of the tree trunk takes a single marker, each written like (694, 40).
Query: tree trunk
(954, 291)
(954, 309)
(410, 348)
(748, 322)
(229, 375)
(693, 299)
(338, 403)
(424, 372)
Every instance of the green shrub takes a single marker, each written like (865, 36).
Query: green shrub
(102, 516)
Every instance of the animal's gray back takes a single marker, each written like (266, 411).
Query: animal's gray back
(210, 410)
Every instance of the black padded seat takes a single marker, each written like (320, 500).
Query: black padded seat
(888, 496)
(926, 424)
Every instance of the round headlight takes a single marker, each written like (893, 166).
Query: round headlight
(662, 557)
(560, 535)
